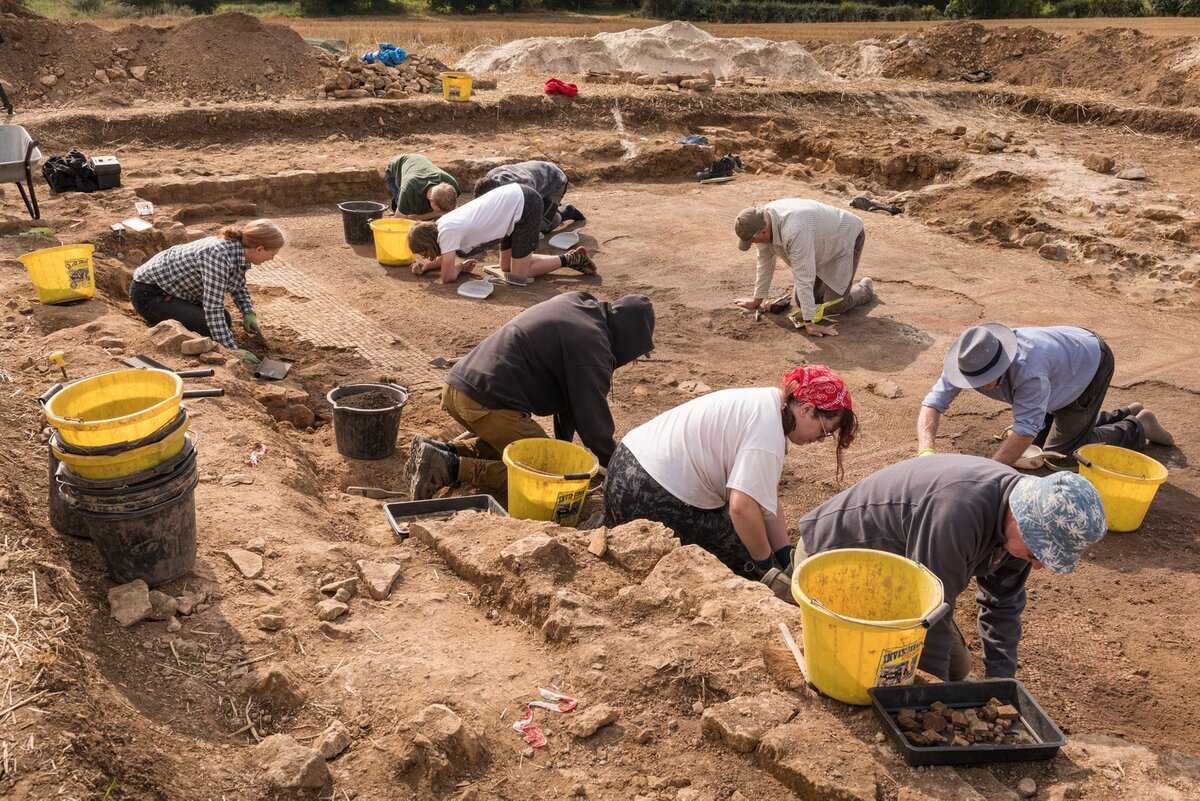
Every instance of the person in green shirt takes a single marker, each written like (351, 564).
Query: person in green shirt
(420, 189)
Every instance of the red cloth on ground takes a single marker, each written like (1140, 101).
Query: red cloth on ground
(820, 386)
(556, 87)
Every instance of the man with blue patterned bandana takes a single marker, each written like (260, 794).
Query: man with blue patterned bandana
(965, 517)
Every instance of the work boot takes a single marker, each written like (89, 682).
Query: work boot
(433, 469)
(862, 291)
(1132, 410)
(578, 259)
(737, 162)
(572, 214)
(1153, 429)
(721, 168)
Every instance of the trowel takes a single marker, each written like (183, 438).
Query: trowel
(272, 370)
(1034, 458)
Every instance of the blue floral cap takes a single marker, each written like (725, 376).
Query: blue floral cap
(1060, 516)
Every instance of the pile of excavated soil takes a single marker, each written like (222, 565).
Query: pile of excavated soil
(947, 51)
(222, 57)
(1119, 61)
(677, 47)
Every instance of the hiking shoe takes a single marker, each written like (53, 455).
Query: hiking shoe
(737, 162)
(721, 168)
(433, 469)
(572, 214)
(863, 291)
(1153, 429)
(579, 260)
(1132, 410)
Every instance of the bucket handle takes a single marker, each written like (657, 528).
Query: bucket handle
(577, 477)
(927, 622)
(45, 397)
(1081, 459)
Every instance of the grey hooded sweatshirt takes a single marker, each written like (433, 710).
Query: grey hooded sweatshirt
(557, 358)
(945, 512)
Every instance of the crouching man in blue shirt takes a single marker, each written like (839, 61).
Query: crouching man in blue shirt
(1055, 378)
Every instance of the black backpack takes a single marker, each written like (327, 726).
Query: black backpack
(70, 173)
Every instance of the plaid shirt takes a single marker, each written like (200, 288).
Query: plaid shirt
(201, 272)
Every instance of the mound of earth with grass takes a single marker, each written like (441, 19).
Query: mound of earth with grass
(677, 47)
(222, 57)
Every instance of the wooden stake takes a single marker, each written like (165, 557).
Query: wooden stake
(791, 644)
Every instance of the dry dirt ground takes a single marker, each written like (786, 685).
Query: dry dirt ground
(672, 645)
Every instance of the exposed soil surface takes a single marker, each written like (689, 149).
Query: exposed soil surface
(417, 657)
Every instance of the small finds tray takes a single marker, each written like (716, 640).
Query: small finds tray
(401, 513)
(962, 695)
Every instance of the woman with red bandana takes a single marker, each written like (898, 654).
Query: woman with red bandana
(710, 469)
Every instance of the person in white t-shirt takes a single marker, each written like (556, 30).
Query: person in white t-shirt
(511, 214)
(710, 469)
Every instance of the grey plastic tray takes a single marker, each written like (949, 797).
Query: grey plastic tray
(400, 513)
(961, 695)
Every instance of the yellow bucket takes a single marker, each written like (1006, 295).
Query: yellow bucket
(121, 406)
(548, 479)
(1126, 480)
(63, 274)
(125, 462)
(391, 242)
(456, 86)
(865, 614)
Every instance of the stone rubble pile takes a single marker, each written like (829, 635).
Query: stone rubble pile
(348, 78)
(705, 82)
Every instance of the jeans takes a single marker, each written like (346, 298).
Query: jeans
(154, 306)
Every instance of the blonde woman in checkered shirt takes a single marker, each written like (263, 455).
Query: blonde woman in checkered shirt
(189, 282)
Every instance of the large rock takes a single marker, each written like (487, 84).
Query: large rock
(938, 783)
(590, 720)
(638, 546)
(331, 609)
(571, 616)
(276, 687)
(194, 347)
(162, 606)
(1132, 174)
(288, 765)
(379, 577)
(1098, 162)
(536, 552)
(742, 722)
(818, 758)
(130, 603)
(441, 746)
(333, 740)
(168, 335)
(248, 563)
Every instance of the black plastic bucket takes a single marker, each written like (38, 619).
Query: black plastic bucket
(155, 544)
(63, 516)
(366, 433)
(356, 220)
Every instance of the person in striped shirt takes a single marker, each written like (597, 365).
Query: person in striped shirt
(189, 282)
(821, 244)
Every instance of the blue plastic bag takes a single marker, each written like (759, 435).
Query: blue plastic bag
(387, 53)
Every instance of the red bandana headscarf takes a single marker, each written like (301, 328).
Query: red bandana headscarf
(820, 386)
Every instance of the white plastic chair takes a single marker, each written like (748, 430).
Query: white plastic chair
(19, 156)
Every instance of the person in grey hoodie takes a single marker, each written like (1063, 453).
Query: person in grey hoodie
(556, 358)
(965, 517)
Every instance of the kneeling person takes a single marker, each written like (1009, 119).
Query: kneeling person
(556, 358)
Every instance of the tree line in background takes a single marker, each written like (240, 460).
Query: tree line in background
(731, 11)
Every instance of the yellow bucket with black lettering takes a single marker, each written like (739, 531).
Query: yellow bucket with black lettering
(456, 86)
(63, 274)
(865, 614)
(548, 479)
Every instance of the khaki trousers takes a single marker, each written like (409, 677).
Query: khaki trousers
(479, 461)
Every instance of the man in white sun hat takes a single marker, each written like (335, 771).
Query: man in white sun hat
(1054, 377)
(965, 517)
